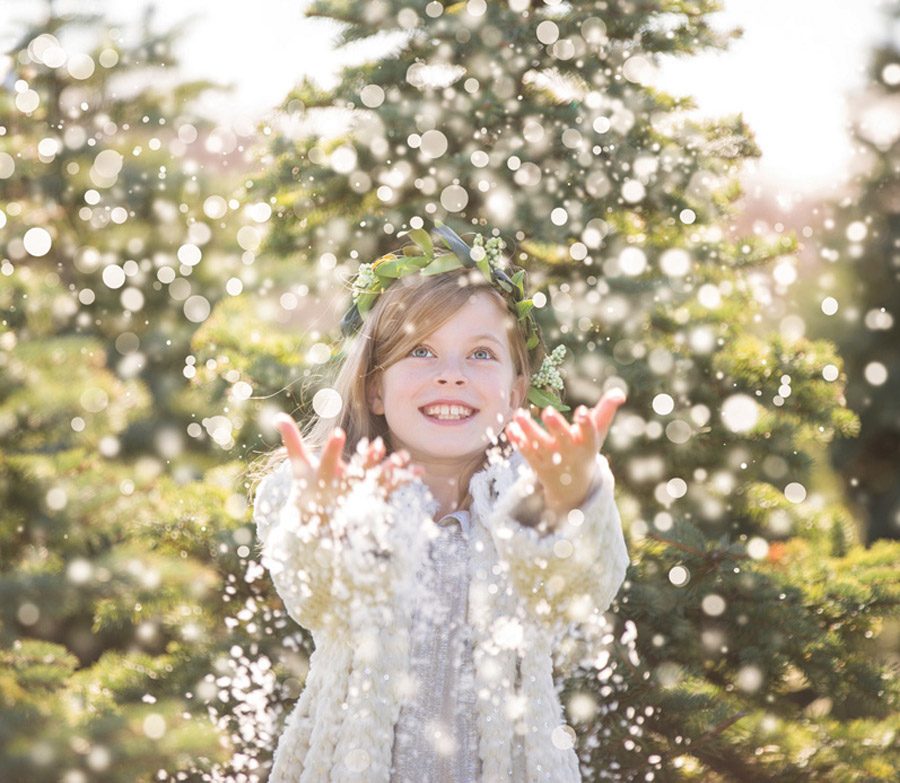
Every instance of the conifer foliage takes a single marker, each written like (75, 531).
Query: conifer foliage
(739, 647)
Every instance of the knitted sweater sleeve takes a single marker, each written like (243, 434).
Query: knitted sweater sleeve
(576, 569)
(321, 572)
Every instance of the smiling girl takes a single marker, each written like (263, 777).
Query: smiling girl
(436, 580)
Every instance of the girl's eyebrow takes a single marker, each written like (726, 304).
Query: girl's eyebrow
(477, 337)
(486, 337)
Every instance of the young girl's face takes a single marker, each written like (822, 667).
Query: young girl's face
(465, 363)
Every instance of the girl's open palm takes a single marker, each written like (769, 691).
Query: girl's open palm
(322, 482)
(562, 457)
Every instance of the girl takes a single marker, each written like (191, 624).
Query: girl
(436, 581)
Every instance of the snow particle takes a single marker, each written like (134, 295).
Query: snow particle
(875, 373)
(601, 124)
(740, 412)
(454, 198)
(27, 101)
(343, 159)
(106, 168)
(28, 613)
(547, 32)
(215, 207)
(749, 678)
(241, 391)
(327, 403)
(196, 309)
(189, 254)
(79, 571)
(857, 231)
(890, 74)
(676, 487)
(37, 241)
(785, 272)
(713, 605)
(638, 69)
(679, 575)
(259, 212)
(80, 66)
(829, 305)
(248, 238)
(678, 431)
(663, 404)
(795, 492)
(476, 7)
(563, 737)
(434, 143)
(709, 296)
(154, 726)
(675, 262)
(318, 353)
(559, 216)
(633, 191)
(372, 96)
(757, 548)
(113, 276)
(632, 261)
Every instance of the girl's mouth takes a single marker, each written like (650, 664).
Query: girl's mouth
(449, 417)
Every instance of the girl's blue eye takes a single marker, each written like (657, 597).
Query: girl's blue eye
(490, 355)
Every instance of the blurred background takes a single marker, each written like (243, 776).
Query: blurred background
(705, 194)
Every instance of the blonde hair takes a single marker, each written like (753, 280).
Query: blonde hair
(412, 307)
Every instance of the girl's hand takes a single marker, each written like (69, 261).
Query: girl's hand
(323, 481)
(564, 449)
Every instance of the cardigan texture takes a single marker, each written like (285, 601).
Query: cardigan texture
(352, 583)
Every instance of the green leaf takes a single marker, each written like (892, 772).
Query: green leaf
(423, 239)
(519, 280)
(443, 263)
(524, 307)
(532, 341)
(398, 268)
(365, 302)
(542, 399)
(485, 266)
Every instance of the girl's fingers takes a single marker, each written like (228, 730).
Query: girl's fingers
(329, 465)
(557, 426)
(301, 460)
(587, 435)
(604, 411)
(537, 438)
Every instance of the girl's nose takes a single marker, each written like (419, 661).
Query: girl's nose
(451, 373)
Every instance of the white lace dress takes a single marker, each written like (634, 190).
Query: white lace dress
(435, 738)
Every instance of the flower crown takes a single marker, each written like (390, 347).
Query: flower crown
(485, 255)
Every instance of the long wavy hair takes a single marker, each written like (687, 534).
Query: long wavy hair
(411, 308)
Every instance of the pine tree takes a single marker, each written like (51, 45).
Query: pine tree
(118, 569)
(741, 642)
(859, 287)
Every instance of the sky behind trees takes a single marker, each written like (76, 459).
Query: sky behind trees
(791, 75)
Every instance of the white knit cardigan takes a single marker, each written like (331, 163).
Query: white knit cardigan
(351, 584)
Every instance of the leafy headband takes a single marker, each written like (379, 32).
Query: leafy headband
(485, 255)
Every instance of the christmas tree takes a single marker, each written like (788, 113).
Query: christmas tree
(119, 569)
(740, 644)
(857, 297)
